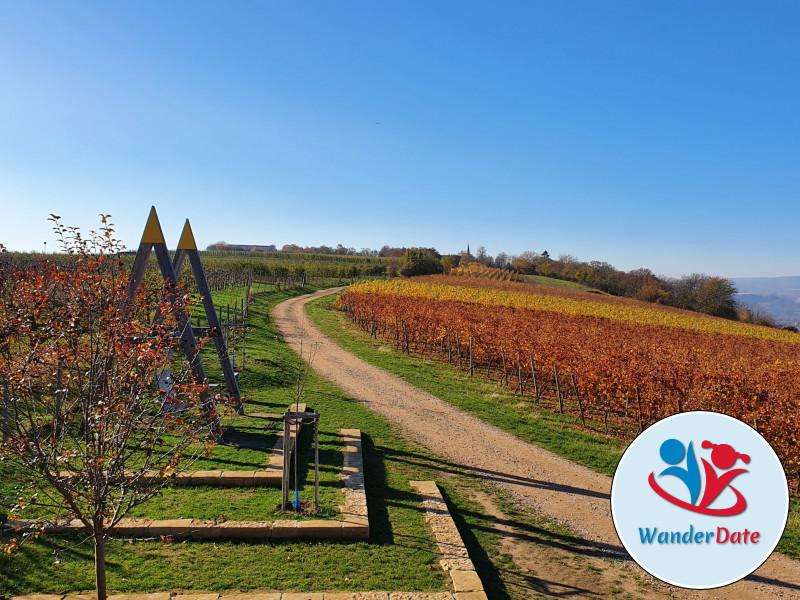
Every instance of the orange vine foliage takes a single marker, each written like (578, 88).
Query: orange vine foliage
(85, 429)
(479, 271)
(614, 362)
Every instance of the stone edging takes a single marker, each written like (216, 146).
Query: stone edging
(455, 558)
(252, 596)
(354, 523)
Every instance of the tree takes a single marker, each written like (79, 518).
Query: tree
(448, 262)
(86, 430)
(525, 262)
(716, 296)
(421, 261)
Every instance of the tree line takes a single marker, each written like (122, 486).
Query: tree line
(699, 292)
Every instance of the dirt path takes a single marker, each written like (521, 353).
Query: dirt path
(559, 489)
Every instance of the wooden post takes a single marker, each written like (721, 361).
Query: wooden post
(519, 379)
(639, 403)
(296, 456)
(578, 396)
(533, 376)
(449, 349)
(286, 464)
(470, 356)
(505, 375)
(458, 350)
(558, 390)
(316, 457)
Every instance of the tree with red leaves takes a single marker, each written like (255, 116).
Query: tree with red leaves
(85, 428)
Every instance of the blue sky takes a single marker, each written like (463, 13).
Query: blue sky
(661, 134)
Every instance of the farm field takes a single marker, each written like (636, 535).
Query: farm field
(618, 361)
(499, 405)
(478, 271)
(521, 414)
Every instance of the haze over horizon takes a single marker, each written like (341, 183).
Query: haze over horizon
(661, 135)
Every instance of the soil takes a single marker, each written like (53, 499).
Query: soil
(555, 487)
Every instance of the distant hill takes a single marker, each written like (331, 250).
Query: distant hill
(560, 283)
(779, 296)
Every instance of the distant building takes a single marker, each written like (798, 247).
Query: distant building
(243, 247)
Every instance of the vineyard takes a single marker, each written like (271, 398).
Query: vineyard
(480, 271)
(317, 266)
(614, 364)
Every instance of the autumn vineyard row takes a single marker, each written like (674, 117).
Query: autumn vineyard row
(616, 374)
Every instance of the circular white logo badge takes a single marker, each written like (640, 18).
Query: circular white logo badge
(699, 500)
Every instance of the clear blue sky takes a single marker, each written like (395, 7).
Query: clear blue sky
(663, 134)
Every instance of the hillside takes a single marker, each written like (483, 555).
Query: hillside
(779, 296)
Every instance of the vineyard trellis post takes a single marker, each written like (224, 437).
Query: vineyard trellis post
(558, 389)
(578, 396)
(470, 356)
(639, 403)
(533, 377)
(449, 349)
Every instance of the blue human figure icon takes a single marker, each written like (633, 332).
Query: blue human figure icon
(672, 453)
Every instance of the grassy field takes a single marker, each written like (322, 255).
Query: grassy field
(497, 405)
(559, 283)
(399, 555)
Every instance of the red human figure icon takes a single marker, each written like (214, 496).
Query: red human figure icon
(724, 457)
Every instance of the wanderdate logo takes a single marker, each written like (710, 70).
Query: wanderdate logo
(699, 500)
(723, 457)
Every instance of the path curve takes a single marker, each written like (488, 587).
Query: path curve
(560, 489)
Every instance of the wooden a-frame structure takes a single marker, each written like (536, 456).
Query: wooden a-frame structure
(153, 239)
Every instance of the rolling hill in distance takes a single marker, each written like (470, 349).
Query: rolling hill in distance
(780, 296)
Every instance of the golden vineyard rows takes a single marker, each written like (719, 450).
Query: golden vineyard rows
(519, 295)
(606, 359)
(482, 271)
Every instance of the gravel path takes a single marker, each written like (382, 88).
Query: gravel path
(553, 485)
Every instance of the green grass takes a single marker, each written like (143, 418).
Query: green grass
(400, 554)
(497, 405)
(559, 283)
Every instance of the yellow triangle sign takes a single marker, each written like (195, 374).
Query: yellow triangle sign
(152, 231)
(187, 238)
